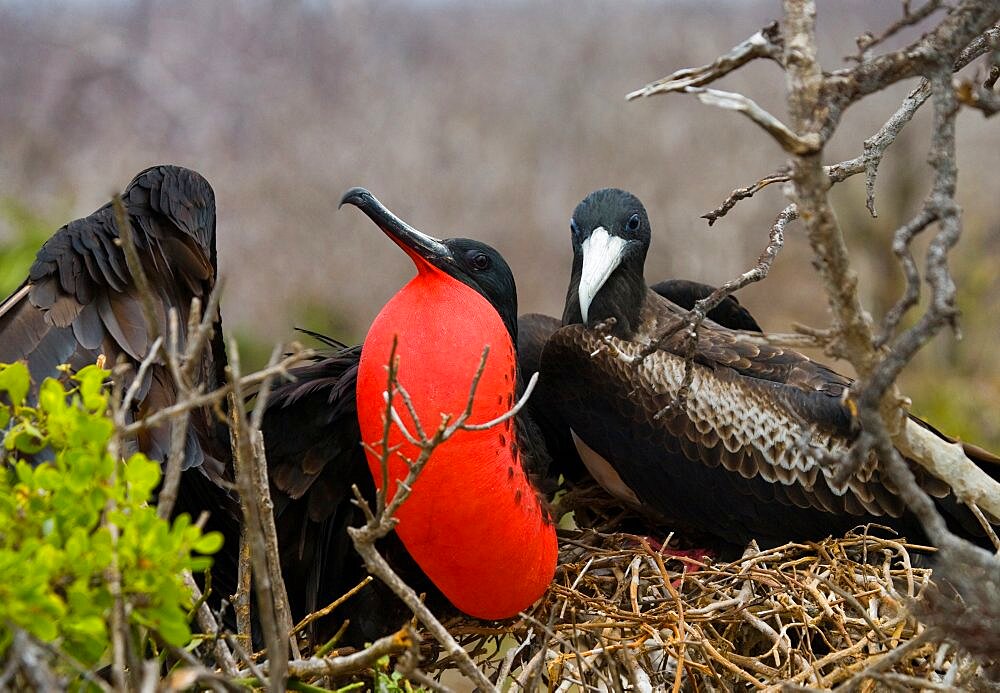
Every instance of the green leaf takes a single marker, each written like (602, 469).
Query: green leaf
(91, 379)
(25, 437)
(209, 543)
(15, 381)
(142, 473)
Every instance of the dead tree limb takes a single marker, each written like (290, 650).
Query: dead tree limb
(817, 101)
(255, 500)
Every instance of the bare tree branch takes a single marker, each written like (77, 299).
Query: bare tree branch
(808, 143)
(766, 43)
(251, 482)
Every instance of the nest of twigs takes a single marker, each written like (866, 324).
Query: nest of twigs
(624, 614)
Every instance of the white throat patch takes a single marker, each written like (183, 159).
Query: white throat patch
(602, 253)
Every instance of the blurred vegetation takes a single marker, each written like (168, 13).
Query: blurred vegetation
(71, 516)
(487, 120)
(29, 231)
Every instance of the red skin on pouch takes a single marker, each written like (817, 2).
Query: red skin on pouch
(473, 523)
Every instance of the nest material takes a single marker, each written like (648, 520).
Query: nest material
(624, 614)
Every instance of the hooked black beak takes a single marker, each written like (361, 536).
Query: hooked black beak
(415, 243)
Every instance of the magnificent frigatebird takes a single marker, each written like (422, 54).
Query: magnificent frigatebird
(474, 524)
(534, 330)
(740, 456)
(80, 302)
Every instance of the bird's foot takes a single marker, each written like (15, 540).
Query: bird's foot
(692, 560)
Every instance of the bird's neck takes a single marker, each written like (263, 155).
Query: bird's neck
(473, 520)
(621, 297)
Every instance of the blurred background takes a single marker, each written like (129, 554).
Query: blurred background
(467, 118)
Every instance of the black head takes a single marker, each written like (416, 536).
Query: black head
(473, 263)
(610, 235)
(483, 268)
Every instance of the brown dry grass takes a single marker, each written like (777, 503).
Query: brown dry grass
(622, 614)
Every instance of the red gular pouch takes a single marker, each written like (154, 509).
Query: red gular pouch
(473, 522)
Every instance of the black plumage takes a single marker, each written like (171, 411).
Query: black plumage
(534, 330)
(315, 457)
(740, 458)
(80, 302)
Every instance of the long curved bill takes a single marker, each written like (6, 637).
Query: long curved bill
(415, 243)
(602, 253)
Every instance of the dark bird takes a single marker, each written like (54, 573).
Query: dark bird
(474, 524)
(739, 459)
(534, 330)
(80, 301)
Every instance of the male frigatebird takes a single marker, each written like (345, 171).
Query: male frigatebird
(739, 457)
(80, 301)
(474, 524)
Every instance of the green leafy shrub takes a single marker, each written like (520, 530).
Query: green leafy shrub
(67, 522)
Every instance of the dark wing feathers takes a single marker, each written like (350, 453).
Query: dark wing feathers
(319, 405)
(728, 463)
(79, 300)
(534, 330)
(314, 453)
(686, 293)
(741, 459)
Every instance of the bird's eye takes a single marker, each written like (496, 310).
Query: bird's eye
(633, 223)
(481, 261)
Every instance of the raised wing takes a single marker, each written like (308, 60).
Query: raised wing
(80, 301)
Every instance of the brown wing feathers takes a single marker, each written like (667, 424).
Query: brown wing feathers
(79, 300)
(742, 458)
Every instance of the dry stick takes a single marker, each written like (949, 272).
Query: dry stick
(377, 566)
(140, 374)
(766, 43)
(346, 664)
(178, 425)
(875, 146)
(970, 485)
(407, 666)
(743, 194)
(802, 145)
(804, 80)
(244, 585)
(183, 368)
(696, 316)
(901, 240)
(135, 268)
(332, 605)
(33, 663)
(255, 504)
(219, 394)
(981, 98)
(886, 660)
(208, 624)
(866, 41)
(246, 658)
(262, 493)
(119, 619)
